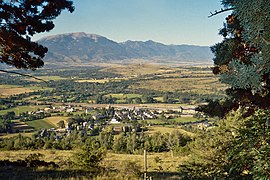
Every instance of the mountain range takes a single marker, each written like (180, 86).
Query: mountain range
(83, 48)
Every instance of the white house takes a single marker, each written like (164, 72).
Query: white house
(114, 121)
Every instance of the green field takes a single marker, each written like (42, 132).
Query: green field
(55, 119)
(21, 109)
(47, 78)
(133, 70)
(185, 119)
(180, 119)
(49, 122)
(123, 96)
(40, 124)
(101, 80)
(154, 121)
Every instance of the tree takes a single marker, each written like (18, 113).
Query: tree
(20, 20)
(132, 142)
(137, 100)
(4, 125)
(120, 143)
(89, 156)
(9, 115)
(242, 59)
(106, 138)
(237, 148)
(217, 108)
(61, 124)
(148, 99)
(165, 98)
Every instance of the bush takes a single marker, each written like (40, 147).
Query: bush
(132, 169)
(89, 157)
(238, 148)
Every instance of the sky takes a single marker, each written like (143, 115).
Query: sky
(164, 21)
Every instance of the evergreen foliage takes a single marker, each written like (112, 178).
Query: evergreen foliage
(89, 156)
(238, 148)
(242, 59)
(19, 21)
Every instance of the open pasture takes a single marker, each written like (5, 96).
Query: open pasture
(49, 122)
(46, 78)
(198, 85)
(133, 70)
(8, 90)
(178, 120)
(18, 127)
(101, 80)
(21, 109)
(40, 124)
(55, 119)
(123, 96)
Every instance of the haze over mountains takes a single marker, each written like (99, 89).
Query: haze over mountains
(82, 48)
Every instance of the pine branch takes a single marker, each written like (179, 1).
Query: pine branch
(261, 36)
(221, 11)
(266, 41)
(21, 74)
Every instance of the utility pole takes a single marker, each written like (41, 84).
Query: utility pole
(145, 164)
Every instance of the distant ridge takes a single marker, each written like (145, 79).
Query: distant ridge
(82, 48)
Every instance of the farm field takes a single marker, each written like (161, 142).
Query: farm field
(166, 129)
(132, 70)
(178, 120)
(199, 85)
(20, 127)
(137, 81)
(124, 83)
(41, 123)
(102, 80)
(47, 123)
(185, 119)
(21, 109)
(8, 90)
(55, 119)
(90, 99)
(46, 78)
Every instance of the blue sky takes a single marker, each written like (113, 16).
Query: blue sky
(165, 21)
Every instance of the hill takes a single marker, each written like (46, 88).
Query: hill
(82, 48)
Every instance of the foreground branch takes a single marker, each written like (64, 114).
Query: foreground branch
(221, 11)
(21, 74)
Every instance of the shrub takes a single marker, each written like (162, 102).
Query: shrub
(89, 157)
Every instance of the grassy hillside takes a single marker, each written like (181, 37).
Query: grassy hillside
(117, 166)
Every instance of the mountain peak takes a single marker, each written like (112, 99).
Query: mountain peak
(75, 35)
(84, 47)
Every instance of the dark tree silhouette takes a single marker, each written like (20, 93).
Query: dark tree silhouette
(19, 21)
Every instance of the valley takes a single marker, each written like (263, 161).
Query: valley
(80, 48)
(115, 101)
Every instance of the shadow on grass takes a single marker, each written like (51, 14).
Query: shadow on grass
(163, 175)
(24, 173)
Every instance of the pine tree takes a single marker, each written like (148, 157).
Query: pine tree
(20, 20)
(242, 59)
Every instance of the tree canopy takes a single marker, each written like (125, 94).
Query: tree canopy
(242, 59)
(20, 20)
